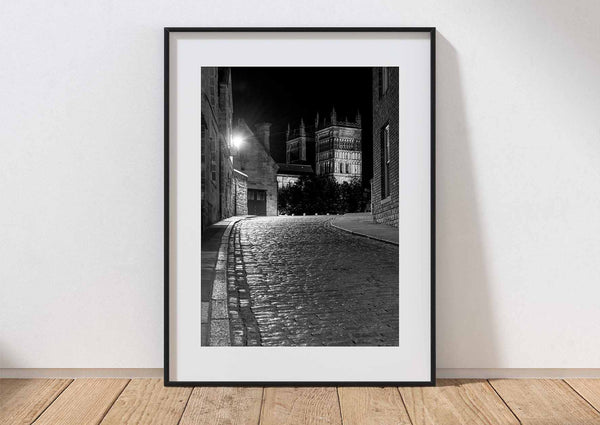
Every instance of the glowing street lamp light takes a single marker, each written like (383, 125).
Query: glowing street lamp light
(237, 141)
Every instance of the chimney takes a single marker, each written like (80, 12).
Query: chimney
(263, 132)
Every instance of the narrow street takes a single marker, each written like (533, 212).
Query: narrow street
(297, 281)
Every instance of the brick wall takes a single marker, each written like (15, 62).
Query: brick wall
(385, 111)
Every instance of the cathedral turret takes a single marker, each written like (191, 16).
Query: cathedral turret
(338, 148)
(302, 128)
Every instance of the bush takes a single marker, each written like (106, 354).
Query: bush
(321, 195)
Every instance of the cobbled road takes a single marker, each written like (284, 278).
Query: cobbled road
(298, 281)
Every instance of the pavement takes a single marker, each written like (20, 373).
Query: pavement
(213, 274)
(299, 281)
(362, 224)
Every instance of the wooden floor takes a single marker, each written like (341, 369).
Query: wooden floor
(146, 401)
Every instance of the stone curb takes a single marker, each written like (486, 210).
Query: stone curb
(364, 235)
(218, 323)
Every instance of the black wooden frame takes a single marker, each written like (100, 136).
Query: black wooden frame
(167, 31)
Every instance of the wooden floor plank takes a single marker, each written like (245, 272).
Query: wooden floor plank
(223, 406)
(148, 402)
(545, 402)
(372, 406)
(588, 389)
(23, 400)
(300, 406)
(456, 402)
(84, 402)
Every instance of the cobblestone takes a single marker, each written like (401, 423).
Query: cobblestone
(297, 281)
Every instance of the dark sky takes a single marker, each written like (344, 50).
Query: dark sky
(282, 95)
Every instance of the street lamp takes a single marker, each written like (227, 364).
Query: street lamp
(237, 141)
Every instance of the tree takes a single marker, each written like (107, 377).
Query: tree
(321, 195)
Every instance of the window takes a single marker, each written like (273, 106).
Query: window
(347, 168)
(213, 159)
(385, 161)
(203, 141)
(341, 167)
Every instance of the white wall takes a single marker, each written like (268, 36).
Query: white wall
(518, 175)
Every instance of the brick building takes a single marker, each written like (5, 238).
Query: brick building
(216, 129)
(338, 150)
(253, 159)
(386, 130)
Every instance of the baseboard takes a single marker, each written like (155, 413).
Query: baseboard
(441, 373)
(81, 373)
(517, 373)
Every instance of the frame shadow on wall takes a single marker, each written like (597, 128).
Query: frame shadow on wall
(465, 315)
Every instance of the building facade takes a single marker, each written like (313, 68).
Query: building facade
(240, 185)
(253, 159)
(289, 174)
(338, 149)
(299, 146)
(386, 145)
(216, 116)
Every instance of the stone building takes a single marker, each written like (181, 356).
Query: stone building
(253, 159)
(338, 150)
(289, 174)
(240, 189)
(216, 119)
(299, 146)
(386, 130)
(299, 155)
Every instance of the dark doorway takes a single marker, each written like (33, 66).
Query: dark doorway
(257, 202)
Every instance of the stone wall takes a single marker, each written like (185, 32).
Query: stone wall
(385, 111)
(253, 160)
(240, 181)
(339, 146)
(284, 180)
(217, 197)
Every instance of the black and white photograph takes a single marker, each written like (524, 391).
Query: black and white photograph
(299, 222)
(299, 206)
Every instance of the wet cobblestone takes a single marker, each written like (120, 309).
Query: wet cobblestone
(297, 281)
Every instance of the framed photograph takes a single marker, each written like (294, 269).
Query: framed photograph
(299, 206)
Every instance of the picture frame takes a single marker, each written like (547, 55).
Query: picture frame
(187, 361)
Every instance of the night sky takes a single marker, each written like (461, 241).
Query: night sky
(282, 95)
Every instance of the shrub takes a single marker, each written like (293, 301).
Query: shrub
(321, 195)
